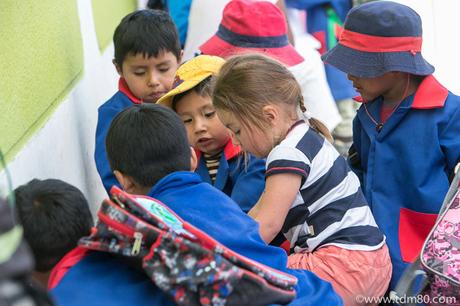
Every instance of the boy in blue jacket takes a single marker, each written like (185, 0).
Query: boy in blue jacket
(147, 55)
(406, 133)
(148, 150)
(220, 162)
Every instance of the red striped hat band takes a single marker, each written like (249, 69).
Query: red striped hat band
(370, 43)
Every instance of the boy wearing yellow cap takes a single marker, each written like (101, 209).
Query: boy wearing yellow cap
(220, 161)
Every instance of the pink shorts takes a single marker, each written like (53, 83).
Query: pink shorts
(351, 273)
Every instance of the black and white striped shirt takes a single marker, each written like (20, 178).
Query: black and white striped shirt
(212, 163)
(330, 208)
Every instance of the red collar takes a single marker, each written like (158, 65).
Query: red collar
(64, 265)
(123, 87)
(430, 94)
(230, 150)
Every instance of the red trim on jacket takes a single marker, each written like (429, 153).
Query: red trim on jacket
(64, 265)
(230, 150)
(123, 87)
(430, 94)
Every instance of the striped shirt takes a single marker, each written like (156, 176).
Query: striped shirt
(330, 208)
(212, 163)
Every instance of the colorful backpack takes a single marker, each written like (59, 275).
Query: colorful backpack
(184, 262)
(434, 278)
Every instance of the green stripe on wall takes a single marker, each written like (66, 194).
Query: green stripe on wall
(41, 58)
(107, 15)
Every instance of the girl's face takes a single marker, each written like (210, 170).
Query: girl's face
(252, 140)
(204, 129)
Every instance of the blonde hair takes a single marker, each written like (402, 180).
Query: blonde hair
(246, 83)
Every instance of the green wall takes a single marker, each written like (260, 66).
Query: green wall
(107, 15)
(41, 58)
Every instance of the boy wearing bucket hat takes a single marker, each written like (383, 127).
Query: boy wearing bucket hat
(260, 26)
(406, 133)
(220, 162)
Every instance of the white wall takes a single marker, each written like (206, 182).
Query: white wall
(440, 40)
(64, 147)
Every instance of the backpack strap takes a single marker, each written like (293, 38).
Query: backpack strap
(411, 283)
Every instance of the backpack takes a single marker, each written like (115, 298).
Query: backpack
(434, 278)
(184, 262)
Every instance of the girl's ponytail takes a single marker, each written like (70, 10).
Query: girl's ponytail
(314, 123)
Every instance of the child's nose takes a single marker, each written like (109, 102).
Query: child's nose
(200, 125)
(153, 80)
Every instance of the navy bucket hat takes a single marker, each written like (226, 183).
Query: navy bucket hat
(379, 37)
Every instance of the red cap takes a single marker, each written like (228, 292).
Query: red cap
(252, 26)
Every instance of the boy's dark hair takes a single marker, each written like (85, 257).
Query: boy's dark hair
(149, 32)
(157, 5)
(204, 89)
(54, 215)
(148, 142)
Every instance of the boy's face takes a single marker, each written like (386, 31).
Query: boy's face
(371, 88)
(204, 129)
(149, 78)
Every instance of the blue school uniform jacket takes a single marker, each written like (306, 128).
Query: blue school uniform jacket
(106, 113)
(243, 181)
(404, 168)
(100, 279)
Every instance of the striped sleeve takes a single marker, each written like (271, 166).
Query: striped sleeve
(284, 159)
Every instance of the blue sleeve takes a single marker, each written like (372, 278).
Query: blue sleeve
(449, 137)
(120, 285)
(105, 117)
(311, 290)
(249, 184)
(179, 11)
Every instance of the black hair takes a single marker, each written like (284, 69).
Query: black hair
(149, 32)
(204, 89)
(148, 142)
(157, 5)
(54, 215)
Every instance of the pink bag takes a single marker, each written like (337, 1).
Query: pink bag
(439, 262)
(440, 256)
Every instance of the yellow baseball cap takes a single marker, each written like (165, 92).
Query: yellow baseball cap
(190, 74)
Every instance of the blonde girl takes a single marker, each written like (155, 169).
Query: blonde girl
(311, 195)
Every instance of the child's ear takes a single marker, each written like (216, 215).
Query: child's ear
(125, 181)
(270, 113)
(193, 160)
(119, 71)
(179, 60)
